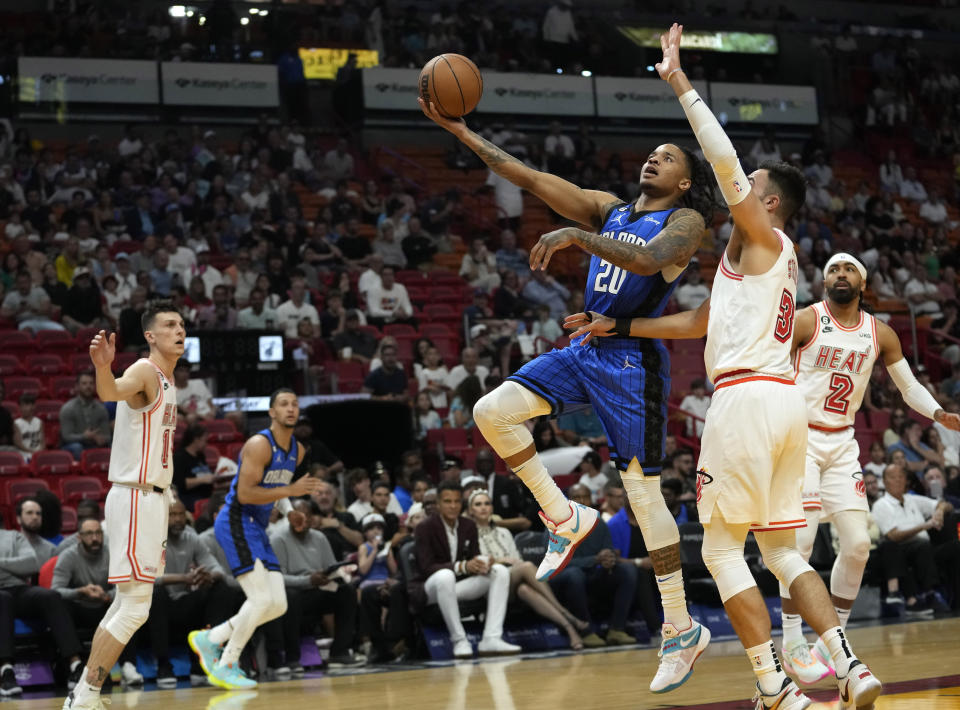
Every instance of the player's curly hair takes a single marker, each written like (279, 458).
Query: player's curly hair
(702, 195)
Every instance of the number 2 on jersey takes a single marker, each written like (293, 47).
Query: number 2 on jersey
(784, 328)
(841, 387)
(616, 278)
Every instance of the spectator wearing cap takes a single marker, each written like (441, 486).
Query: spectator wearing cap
(697, 402)
(84, 421)
(389, 301)
(692, 292)
(388, 381)
(353, 343)
(592, 475)
(84, 306)
(374, 562)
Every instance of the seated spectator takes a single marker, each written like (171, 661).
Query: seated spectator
(682, 512)
(507, 301)
(162, 278)
(191, 473)
(28, 305)
(432, 378)
(933, 210)
(891, 435)
(418, 245)
(190, 594)
(465, 396)
(692, 292)
(765, 148)
(388, 247)
(80, 578)
(30, 426)
(469, 365)
(358, 484)
(84, 421)
(21, 599)
(388, 302)
(296, 308)
(877, 461)
(871, 485)
(219, 315)
(909, 555)
(697, 403)
(935, 484)
(450, 567)
(685, 466)
(425, 416)
(614, 498)
(916, 452)
(306, 561)
(510, 257)
(337, 162)
(84, 306)
(505, 494)
(497, 543)
(591, 474)
(478, 310)
(628, 542)
(911, 188)
(546, 326)
(544, 290)
(242, 277)
(380, 499)
(30, 519)
(86, 508)
(353, 343)
(479, 267)
(388, 381)
(595, 571)
(375, 564)
(194, 399)
(256, 316)
(338, 526)
(354, 247)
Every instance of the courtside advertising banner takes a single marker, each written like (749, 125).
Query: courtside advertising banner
(46, 79)
(196, 84)
(544, 94)
(391, 89)
(623, 97)
(764, 103)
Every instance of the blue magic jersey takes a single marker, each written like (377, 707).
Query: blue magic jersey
(278, 473)
(616, 292)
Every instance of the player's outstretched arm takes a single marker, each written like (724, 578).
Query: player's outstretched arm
(256, 455)
(916, 396)
(675, 244)
(139, 378)
(749, 214)
(586, 207)
(676, 326)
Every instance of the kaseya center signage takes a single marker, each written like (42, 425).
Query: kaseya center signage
(55, 79)
(208, 84)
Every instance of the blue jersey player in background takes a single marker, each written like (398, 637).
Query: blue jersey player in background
(627, 381)
(265, 478)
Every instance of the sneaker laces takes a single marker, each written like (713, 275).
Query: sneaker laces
(801, 653)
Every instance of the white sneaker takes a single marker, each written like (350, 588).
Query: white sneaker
(129, 674)
(859, 687)
(462, 649)
(496, 646)
(97, 702)
(790, 697)
(799, 663)
(679, 650)
(822, 654)
(564, 538)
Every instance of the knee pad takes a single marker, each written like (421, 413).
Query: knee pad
(132, 607)
(847, 573)
(780, 555)
(723, 556)
(643, 492)
(499, 415)
(808, 535)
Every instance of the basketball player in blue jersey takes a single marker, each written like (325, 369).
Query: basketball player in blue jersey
(266, 465)
(626, 381)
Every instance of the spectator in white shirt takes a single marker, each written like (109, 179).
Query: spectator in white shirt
(933, 210)
(891, 175)
(242, 276)
(338, 163)
(559, 32)
(557, 139)
(209, 274)
(820, 169)
(257, 316)
(697, 402)
(131, 143)
(692, 292)
(911, 188)
(922, 293)
(508, 198)
(256, 196)
(765, 149)
(479, 267)
(194, 399)
(294, 310)
(432, 378)
(371, 278)
(182, 259)
(30, 425)
(469, 365)
(388, 302)
(115, 298)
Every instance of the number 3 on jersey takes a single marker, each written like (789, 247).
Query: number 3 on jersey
(784, 328)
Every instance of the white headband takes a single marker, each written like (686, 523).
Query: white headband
(843, 256)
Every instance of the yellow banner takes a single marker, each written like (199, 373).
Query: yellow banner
(323, 62)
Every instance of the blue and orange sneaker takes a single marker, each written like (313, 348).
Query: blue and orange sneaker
(565, 537)
(679, 650)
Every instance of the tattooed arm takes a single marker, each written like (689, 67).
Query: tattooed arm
(675, 244)
(587, 207)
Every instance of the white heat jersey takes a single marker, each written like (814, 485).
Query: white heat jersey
(751, 319)
(142, 450)
(833, 369)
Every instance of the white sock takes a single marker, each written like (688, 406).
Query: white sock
(840, 650)
(792, 628)
(843, 615)
(767, 668)
(674, 600)
(84, 692)
(220, 634)
(536, 477)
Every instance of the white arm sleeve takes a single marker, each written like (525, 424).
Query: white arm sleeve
(917, 397)
(717, 148)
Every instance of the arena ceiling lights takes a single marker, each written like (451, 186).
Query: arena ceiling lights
(705, 40)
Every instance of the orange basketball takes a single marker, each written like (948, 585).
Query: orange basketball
(453, 83)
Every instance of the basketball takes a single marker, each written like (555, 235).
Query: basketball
(453, 83)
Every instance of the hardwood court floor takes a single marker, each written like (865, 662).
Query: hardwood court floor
(918, 662)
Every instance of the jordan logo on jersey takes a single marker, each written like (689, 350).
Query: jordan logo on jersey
(169, 415)
(841, 359)
(619, 218)
(627, 363)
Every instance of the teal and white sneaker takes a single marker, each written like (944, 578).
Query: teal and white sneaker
(820, 652)
(678, 652)
(207, 651)
(565, 537)
(229, 677)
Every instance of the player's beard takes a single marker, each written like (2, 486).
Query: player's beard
(843, 296)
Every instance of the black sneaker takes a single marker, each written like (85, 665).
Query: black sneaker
(8, 683)
(346, 660)
(165, 675)
(73, 677)
(919, 610)
(936, 603)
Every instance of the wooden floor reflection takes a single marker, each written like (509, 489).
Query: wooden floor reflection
(918, 662)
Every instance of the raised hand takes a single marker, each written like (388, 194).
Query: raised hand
(550, 243)
(305, 486)
(670, 43)
(589, 325)
(454, 125)
(103, 349)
